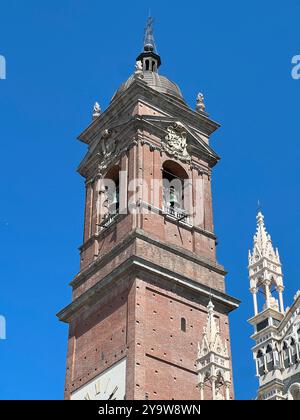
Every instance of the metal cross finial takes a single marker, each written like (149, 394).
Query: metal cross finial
(259, 208)
(149, 44)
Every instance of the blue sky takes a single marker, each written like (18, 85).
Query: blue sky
(61, 57)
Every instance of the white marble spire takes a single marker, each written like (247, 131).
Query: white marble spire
(211, 340)
(265, 269)
(263, 246)
(213, 363)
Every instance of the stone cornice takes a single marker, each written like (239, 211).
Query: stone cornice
(273, 382)
(128, 130)
(139, 90)
(140, 234)
(269, 312)
(139, 264)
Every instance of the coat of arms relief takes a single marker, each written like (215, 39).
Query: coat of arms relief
(175, 142)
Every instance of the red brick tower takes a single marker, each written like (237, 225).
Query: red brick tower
(148, 260)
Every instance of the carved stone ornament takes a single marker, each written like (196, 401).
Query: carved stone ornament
(96, 110)
(176, 141)
(108, 147)
(138, 74)
(200, 106)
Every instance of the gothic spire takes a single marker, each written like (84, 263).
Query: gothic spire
(265, 268)
(211, 340)
(263, 246)
(213, 363)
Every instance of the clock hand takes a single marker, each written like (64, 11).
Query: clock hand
(113, 393)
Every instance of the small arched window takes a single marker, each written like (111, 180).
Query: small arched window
(174, 188)
(183, 324)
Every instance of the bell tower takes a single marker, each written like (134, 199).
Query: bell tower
(148, 266)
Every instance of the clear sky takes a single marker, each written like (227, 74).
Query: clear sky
(64, 55)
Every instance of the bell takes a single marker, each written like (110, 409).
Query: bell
(113, 201)
(174, 199)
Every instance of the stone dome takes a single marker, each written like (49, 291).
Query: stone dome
(155, 81)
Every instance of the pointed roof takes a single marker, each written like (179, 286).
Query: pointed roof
(211, 339)
(263, 247)
(149, 48)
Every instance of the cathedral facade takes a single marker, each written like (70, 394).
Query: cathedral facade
(149, 311)
(276, 329)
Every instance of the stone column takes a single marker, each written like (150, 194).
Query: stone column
(227, 391)
(280, 290)
(256, 366)
(265, 363)
(102, 211)
(201, 387)
(254, 294)
(297, 351)
(281, 358)
(88, 209)
(290, 355)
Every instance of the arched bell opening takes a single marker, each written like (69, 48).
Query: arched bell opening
(112, 193)
(175, 188)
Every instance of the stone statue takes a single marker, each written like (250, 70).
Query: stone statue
(200, 106)
(138, 66)
(138, 70)
(96, 110)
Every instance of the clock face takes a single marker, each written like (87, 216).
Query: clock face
(109, 385)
